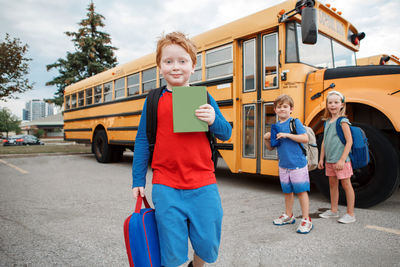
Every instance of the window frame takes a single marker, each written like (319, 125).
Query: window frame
(220, 63)
(118, 90)
(144, 82)
(276, 60)
(255, 66)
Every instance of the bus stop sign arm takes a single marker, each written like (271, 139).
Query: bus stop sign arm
(300, 5)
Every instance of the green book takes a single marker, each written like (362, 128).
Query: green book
(185, 100)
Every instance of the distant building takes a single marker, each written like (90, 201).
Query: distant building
(36, 109)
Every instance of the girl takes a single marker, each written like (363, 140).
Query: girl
(335, 154)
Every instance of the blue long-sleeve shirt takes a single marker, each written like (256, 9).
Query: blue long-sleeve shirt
(220, 128)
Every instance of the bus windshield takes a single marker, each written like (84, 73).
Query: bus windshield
(326, 53)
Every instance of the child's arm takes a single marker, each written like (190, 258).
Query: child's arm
(349, 142)
(299, 138)
(141, 155)
(321, 157)
(267, 138)
(211, 114)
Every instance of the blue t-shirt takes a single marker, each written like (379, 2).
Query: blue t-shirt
(289, 152)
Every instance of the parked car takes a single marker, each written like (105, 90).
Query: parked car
(22, 140)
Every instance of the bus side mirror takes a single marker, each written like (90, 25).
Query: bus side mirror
(309, 25)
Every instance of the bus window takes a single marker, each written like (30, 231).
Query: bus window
(249, 65)
(269, 119)
(81, 99)
(249, 130)
(73, 101)
(318, 55)
(270, 48)
(107, 94)
(119, 88)
(89, 96)
(342, 56)
(97, 94)
(149, 79)
(196, 76)
(163, 82)
(133, 84)
(219, 62)
(292, 55)
(67, 102)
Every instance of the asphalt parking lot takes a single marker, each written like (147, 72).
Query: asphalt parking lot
(68, 210)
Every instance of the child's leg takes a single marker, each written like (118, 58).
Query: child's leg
(350, 198)
(197, 261)
(289, 199)
(334, 191)
(304, 204)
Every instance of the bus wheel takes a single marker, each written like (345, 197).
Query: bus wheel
(102, 149)
(117, 153)
(374, 183)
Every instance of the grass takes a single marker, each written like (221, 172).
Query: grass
(47, 148)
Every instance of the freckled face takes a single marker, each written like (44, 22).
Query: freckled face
(176, 66)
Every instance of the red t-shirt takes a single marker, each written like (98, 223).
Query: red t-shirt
(180, 160)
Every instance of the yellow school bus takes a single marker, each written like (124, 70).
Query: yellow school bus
(382, 59)
(301, 48)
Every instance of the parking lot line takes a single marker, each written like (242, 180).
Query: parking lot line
(13, 166)
(383, 229)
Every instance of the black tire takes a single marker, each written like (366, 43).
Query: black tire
(374, 183)
(102, 150)
(117, 153)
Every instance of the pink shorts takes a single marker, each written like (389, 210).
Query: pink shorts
(344, 173)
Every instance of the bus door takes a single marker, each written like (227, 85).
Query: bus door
(260, 86)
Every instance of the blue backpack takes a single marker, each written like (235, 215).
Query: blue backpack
(359, 154)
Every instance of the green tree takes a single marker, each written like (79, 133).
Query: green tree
(13, 68)
(93, 54)
(9, 122)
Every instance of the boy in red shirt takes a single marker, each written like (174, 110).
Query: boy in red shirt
(185, 194)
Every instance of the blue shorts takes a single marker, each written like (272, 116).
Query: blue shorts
(294, 181)
(183, 214)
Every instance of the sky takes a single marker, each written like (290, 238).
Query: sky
(135, 25)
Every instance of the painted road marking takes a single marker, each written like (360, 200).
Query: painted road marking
(383, 229)
(13, 166)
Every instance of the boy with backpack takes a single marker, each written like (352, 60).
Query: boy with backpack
(293, 170)
(185, 194)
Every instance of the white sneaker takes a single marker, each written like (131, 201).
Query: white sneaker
(329, 214)
(305, 226)
(284, 219)
(347, 219)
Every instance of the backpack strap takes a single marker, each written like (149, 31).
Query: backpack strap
(293, 130)
(151, 117)
(211, 137)
(339, 130)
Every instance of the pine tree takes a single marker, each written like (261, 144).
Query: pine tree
(93, 54)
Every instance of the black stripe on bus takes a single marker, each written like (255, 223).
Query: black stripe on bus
(225, 103)
(357, 71)
(214, 82)
(224, 146)
(78, 140)
(129, 128)
(129, 98)
(78, 130)
(122, 142)
(106, 116)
